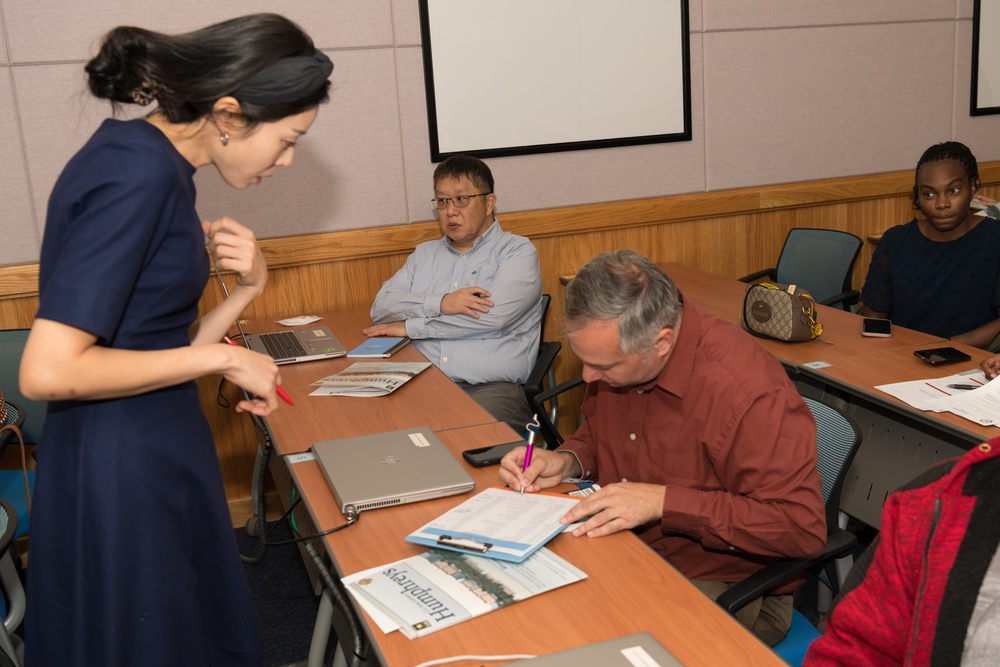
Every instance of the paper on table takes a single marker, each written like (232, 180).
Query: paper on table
(436, 589)
(498, 523)
(979, 405)
(927, 394)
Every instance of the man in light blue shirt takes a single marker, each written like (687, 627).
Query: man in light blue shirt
(470, 301)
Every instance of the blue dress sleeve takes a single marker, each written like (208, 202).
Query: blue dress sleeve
(102, 221)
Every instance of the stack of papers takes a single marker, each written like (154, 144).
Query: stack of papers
(980, 404)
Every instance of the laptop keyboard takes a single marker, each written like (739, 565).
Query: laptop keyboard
(283, 345)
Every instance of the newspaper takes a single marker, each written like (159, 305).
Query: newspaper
(436, 589)
(369, 378)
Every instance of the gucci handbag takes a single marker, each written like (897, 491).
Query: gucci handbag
(781, 312)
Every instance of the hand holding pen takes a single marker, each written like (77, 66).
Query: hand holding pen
(533, 427)
(282, 394)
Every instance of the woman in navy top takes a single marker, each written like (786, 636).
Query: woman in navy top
(940, 274)
(133, 558)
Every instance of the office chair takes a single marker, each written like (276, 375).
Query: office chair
(821, 261)
(32, 414)
(541, 404)
(543, 372)
(837, 441)
(11, 645)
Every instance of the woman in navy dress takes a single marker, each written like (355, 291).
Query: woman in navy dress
(133, 559)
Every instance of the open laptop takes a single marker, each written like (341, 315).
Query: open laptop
(393, 468)
(296, 345)
(638, 650)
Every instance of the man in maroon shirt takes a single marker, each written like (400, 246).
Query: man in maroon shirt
(701, 444)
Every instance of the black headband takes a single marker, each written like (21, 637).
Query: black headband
(286, 81)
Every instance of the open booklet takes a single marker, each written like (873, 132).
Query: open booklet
(438, 588)
(967, 394)
(369, 378)
(498, 523)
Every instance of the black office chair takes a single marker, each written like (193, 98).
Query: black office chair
(837, 441)
(821, 261)
(542, 404)
(32, 416)
(543, 372)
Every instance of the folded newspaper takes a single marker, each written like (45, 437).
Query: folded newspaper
(369, 378)
(421, 594)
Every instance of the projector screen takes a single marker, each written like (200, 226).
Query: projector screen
(510, 77)
(985, 58)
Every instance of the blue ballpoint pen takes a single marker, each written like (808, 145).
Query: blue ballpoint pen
(532, 427)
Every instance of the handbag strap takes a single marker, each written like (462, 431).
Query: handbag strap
(809, 310)
(24, 462)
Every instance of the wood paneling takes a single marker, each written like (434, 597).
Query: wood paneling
(729, 233)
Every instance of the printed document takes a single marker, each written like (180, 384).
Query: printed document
(980, 404)
(498, 523)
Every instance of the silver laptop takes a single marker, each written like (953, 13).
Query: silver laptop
(385, 469)
(296, 345)
(641, 649)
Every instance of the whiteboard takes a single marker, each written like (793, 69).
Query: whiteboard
(510, 77)
(986, 57)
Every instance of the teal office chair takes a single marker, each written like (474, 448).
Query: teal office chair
(837, 441)
(821, 261)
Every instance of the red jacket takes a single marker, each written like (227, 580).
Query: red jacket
(909, 599)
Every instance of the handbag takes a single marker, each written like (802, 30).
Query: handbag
(780, 312)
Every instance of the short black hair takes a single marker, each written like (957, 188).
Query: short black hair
(948, 150)
(459, 166)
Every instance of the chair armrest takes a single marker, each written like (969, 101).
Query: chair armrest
(766, 273)
(840, 543)
(546, 356)
(848, 298)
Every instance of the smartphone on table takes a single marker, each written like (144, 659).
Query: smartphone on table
(874, 326)
(939, 356)
(490, 456)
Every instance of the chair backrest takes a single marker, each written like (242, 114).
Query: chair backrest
(819, 260)
(11, 347)
(543, 372)
(837, 440)
(546, 302)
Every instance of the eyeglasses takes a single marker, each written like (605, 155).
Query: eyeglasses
(461, 201)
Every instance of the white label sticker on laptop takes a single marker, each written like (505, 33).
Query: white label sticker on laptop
(636, 655)
(419, 440)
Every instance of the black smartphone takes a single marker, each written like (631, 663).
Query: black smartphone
(489, 456)
(873, 326)
(939, 356)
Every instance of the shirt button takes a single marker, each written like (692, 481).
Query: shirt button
(638, 391)
(454, 284)
(624, 479)
(631, 436)
(444, 358)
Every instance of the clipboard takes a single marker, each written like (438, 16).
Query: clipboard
(498, 523)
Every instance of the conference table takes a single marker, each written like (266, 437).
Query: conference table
(628, 587)
(843, 368)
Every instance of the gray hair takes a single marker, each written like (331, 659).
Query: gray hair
(626, 286)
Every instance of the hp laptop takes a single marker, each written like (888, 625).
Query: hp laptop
(385, 469)
(296, 345)
(640, 649)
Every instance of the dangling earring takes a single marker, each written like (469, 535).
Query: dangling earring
(224, 138)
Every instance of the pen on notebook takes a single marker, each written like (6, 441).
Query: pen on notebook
(282, 394)
(963, 386)
(532, 427)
